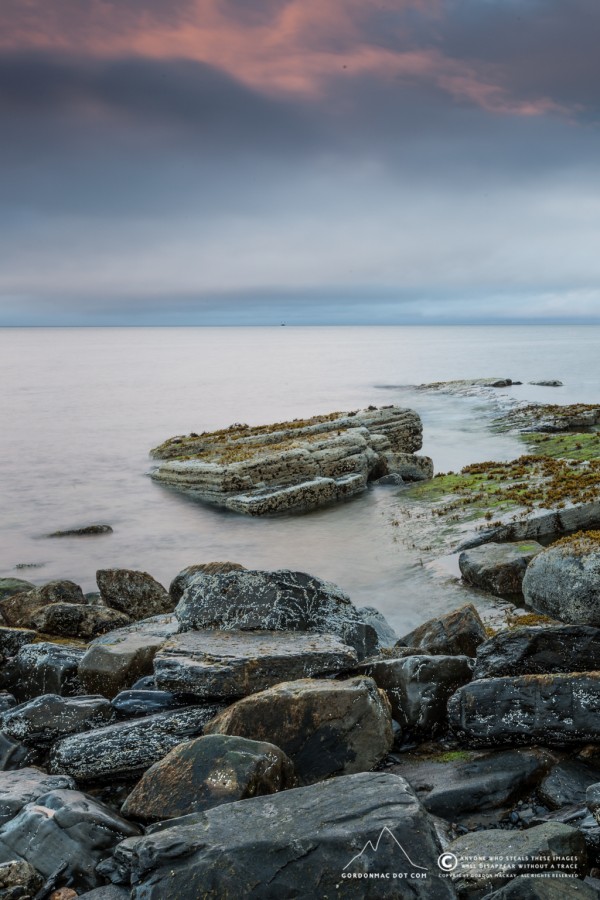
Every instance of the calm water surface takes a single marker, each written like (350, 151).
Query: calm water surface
(80, 409)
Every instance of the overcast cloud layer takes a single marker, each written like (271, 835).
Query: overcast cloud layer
(251, 161)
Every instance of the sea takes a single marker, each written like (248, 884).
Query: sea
(80, 408)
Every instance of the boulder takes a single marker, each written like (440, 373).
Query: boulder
(11, 586)
(454, 784)
(64, 834)
(50, 716)
(294, 466)
(116, 660)
(567, 782)
(207, 772)
(77, 620)
(15, 755)
(18, 609)
(7, 701)
(230, 664)
(314, 841)
(534, 650)
(459, 633)
(43, 668)
(12, 639)
(530, 709)
(19, 881)
(418, 688)
(127, 748)
(498, 568)
(137, 594)
(488, 859)
(527, 887)
(386, 636)
(325, 727)
(17, 789)
(274, 601)
(134, 703)
(564, 580)
(182, 580)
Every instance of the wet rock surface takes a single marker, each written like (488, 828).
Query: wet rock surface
(567, 783)
(564, 581)
(43, 668)
(307, 840)
(326, 728)
(77, 620)
(182, 579)
(274, 601)
(531, 888)
(127, 748)
(232, 664)
(539, 649)
(11, 586)
(295, 466)
(19, 881)
(17, 789)
(498, 568)
(50, 716)
(84, 531)
(546, 709)
(459, 633)
(207, 772)
(136, 594)
(134, 703)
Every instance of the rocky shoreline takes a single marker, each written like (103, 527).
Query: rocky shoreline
(253, 733)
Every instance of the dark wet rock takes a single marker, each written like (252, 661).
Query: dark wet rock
(43, 668)
(77, 620)
(19, 881)
(82, 532)
(183, 578)
(547, 709)
(312, 841)
(386, 635)
(111, 892)
(530, 888)
(457, 783)
(566, 784)
(592, 797)
(553, 383)
(15, 755)
(458, 633)
(579, 817)
(499, 383)
(137, 594)
(325, 727)
(294, 466)
(229, 664)
(394, 480)
(274, 601)
(207, 772)
(7, 701)
(564, 582)
(128, 748)
(532, 851)
(64, 833)
(418, 688)
(19, 609)
(145, 683)
(498, 568)
(534, 650)
(50, 716)
(134, 703)
(12, 639)
(17, 789)
(116, 660)
(11, 586)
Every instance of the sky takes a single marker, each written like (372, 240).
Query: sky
(174, 162)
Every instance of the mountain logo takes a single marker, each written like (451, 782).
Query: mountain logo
(374, 847)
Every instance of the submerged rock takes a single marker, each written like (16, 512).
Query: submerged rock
(534, 650)
(19, 881)
(325, 727)
(137, 594)
(564, 580)
(295, 466)
(207, 772)
(546, 709)
(64, 834)
(313, 842)
(251, 600)
(459, 633)
(127, 748)
(498, 568)
(85, 531)
(229, 664)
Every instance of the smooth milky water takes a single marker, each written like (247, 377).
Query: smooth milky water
(81, 408)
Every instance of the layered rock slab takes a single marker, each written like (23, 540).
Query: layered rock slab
(230, 664)
(307, 842)
(533, 650)
(294, 466)
(498, 568)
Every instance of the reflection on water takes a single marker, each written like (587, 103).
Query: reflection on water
(82, 407)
